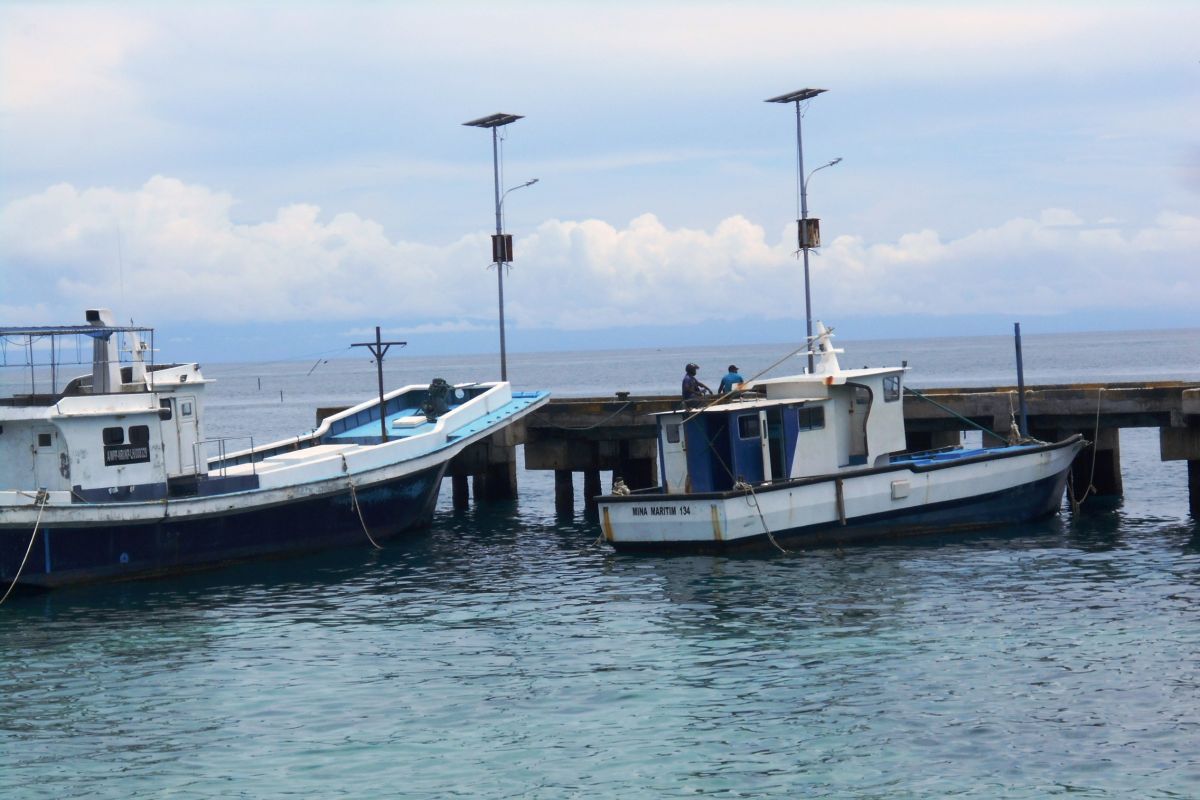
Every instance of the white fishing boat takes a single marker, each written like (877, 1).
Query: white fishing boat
(819, 457)
(113, 476)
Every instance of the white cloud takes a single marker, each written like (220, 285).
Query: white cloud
(183, 257)
(1022, 266)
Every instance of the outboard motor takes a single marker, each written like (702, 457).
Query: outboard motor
(437, 403)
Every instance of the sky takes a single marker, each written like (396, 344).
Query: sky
(267, 180)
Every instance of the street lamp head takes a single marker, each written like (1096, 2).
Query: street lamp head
(504, 196)
(837, 160)
(493, 120)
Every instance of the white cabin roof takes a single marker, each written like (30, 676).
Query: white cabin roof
(761, 402)
(742, 405)
(828, 378)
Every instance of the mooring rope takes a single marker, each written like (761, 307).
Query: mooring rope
(1014, 431)
(953, 413)
(357, 507)
(43, 497)
(1076, 503)
(766, 528)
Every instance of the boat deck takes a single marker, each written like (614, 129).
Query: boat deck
(519, 402)
(400, 424)
(407, 422)
(942, 456)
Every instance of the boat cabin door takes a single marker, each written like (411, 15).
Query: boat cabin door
(674, 455)
(179, 434)
(860, 409)
(48, 465)
(770, 422)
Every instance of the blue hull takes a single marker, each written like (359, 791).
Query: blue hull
(65, 555)
(1008, 507)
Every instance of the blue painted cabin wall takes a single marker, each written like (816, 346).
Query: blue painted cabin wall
(746, 462)
(791, 439)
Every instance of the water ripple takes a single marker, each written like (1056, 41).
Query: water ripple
(506, 654)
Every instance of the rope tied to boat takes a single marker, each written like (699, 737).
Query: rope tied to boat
(1014, 430)
(43, 497)
(1077, 502)
(954, 413)
(357, 507)
(749, 489)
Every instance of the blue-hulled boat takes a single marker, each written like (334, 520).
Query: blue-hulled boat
(113, 476)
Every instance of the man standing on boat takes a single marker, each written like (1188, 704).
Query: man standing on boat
(693, 389)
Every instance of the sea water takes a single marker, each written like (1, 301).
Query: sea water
(506, 653)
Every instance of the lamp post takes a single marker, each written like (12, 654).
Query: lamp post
(809, 230)
(837, 160)
(513, 189)
(501, 244)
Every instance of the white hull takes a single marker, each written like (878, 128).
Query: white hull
(306, 473)
(1007, 485)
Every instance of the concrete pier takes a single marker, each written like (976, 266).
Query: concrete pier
(619, 435)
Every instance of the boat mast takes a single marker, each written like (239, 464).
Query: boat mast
(379, 349)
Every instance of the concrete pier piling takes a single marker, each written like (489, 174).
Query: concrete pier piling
(461, 496)
(564, 492)
(1193, 468)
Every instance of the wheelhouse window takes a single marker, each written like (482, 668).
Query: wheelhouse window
(165, 405)
(748, 426)
(672, 433)
(139, 435)
(891, 388)
(114, 435)
(811, 418)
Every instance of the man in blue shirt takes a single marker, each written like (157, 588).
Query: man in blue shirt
(731, 380)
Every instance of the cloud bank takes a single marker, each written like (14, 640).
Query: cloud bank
(173, 250)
